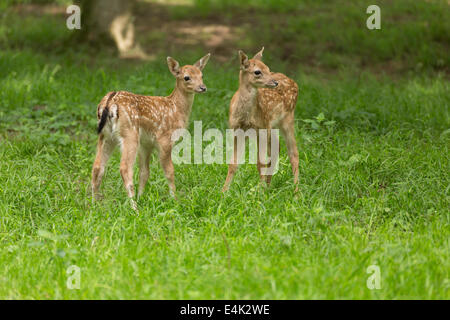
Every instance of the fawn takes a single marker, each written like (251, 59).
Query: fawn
(140, 123)
(264, 100)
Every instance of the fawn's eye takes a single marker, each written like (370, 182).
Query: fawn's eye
(187, 78)
(257, 72)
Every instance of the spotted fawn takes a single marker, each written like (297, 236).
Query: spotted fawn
(140, 123)
(264, 100)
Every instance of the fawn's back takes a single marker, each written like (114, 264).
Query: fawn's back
(279, 102)
(150, 115)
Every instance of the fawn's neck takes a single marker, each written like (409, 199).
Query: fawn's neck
(182, 100)
(247, 94)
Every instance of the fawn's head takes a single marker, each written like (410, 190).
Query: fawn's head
(189, 78)
(255, 72)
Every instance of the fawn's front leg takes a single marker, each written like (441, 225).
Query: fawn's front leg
(259, 165)
(129, 150)
(165, 156)
(265, 150)
(232, 167)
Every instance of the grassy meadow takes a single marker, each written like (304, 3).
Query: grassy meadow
(372, 128)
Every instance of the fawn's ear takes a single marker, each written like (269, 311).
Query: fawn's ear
(202, 62)
(174, 66)
(243, 59)
(258, 56)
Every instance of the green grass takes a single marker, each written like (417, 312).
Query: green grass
(374, 188)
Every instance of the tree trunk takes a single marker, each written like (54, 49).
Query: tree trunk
(102, 20)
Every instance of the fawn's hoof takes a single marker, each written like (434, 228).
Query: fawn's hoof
(134, 205)
(97, 197)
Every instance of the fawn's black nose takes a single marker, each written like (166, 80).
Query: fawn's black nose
(203, 88)
(275, 83)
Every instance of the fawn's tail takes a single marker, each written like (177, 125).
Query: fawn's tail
(105, 113)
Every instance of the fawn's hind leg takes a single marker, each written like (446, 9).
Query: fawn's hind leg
(105, 147)
(288, 131)
(129, 149)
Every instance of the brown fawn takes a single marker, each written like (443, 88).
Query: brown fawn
(140, 123)
(264, 100)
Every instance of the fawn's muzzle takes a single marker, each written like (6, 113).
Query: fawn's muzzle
(272, 84)
(202, 88)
